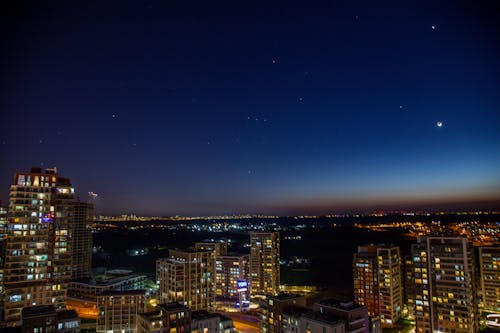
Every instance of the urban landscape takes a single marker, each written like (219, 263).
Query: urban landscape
(64, 269)
(246, 167)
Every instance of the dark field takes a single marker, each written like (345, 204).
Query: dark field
(329, 249)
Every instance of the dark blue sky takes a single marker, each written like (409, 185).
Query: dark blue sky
(169, 108)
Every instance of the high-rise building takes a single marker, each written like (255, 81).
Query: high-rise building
(378, 282)
(3, 222)
(187, 277)
(38, 253)
(118, 310)
(366, 278)
(219, 248)
(409, 287)
(229, 270)
(81, 242)
(445, 295)
(3, 240)
(489, 268)
(390, 288)
(264, 263)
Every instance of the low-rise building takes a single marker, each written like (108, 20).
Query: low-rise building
(291, 319)
(204, 322)
(273, 309)
(321, 322)
(82, 296)
(355, 316)
(45, 319)
(167, 318)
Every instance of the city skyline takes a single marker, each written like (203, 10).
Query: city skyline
(162, 109)
(62, 270)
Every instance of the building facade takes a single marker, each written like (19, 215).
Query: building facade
(81, 243)
(365, 272)
(390, 284)
(82, 296)
(45, 319)
(168, 318)
(229, 269)
(273, 309)
(378, 282)
(219, 248)
(489, 269)
(318, 322)
(205, 322)
(187, 277)
(445, 293)
(38, 252)
(409, 287)
(264, 263)
(118, 310)
(355, 316)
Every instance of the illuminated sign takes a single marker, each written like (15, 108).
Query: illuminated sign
(49, 217)
(242, 285)
(493, 320)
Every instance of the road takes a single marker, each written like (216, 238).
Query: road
(243, 323)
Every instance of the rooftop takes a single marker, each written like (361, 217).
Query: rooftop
(152, 315)
(285, 297)
(327, 318)
(235, 254)
(173, 307)
(188, 250)
(114, 276)
(203, 314)
(296, 311)
(138, 292)
(340, 304)
(38, 310)
(67, 314)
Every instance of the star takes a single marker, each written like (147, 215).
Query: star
(400, 106)
(439, 124)
(301, 99)
(274, 61)
(113, 116)
(433, 27)
(40, 141)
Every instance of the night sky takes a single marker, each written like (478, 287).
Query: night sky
(173, 107)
